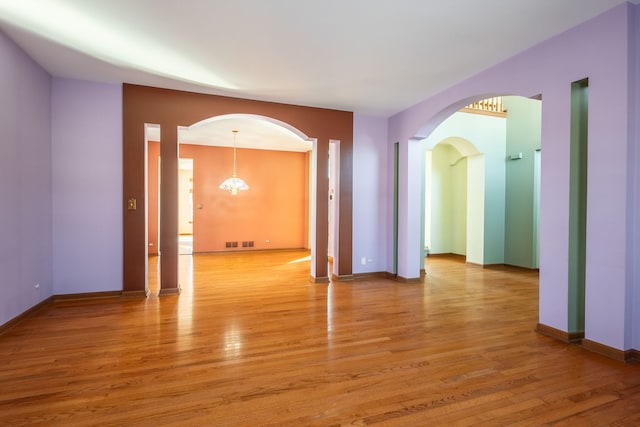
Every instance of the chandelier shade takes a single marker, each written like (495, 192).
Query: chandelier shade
(234, 184)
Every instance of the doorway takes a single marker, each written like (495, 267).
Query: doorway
(185, 206)
(273, 214)
(454, 207)
(333, 237)
(497, 202)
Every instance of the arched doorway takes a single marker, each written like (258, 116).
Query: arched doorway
(273, 214)
(507, 151)
(454, 199)
(274, 159)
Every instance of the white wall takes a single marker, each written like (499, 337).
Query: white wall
(87, 187)
(371, 197)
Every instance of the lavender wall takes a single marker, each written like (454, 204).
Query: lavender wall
(596, 49)
(87, 186)
(25, 182)
(369, 194)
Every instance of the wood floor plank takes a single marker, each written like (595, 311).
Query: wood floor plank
(250, 341)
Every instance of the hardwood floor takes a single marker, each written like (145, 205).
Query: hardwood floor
(250, 341)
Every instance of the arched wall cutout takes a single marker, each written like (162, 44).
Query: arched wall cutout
(430, 124)
(295, 131)
(464, 146)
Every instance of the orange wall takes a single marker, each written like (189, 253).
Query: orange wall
(275, 208)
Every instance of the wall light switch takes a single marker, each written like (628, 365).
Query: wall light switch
(131, 204)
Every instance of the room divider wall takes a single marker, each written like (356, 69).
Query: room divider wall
(171, 109)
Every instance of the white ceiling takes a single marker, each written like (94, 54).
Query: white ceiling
(374, 57)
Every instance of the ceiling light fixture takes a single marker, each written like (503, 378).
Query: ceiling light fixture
(234, 184)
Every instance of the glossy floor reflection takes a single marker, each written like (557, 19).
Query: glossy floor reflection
(251, 342)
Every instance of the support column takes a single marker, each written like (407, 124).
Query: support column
(169, 209)
(320, 219)
(409, 221)
(345, 220)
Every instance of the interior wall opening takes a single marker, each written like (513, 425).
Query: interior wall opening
(333, 238)
(185, 206)
(274, 214)
(482, 184)
(578, 205)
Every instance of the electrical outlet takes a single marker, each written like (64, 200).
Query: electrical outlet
(363, 260)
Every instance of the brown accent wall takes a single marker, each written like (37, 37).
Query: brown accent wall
(170, 109)
(273, 214)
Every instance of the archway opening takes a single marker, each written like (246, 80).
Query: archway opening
(500, 179)
(274, 214)
(454, 199)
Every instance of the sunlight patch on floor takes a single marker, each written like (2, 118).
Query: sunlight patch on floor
(307, 258)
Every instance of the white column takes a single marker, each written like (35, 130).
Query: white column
(409, 209)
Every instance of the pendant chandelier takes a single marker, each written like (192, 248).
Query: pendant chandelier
(234, 184)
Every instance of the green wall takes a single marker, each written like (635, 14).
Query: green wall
(459, 205)
(523, 136)
(578, 205)
(441, 199)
